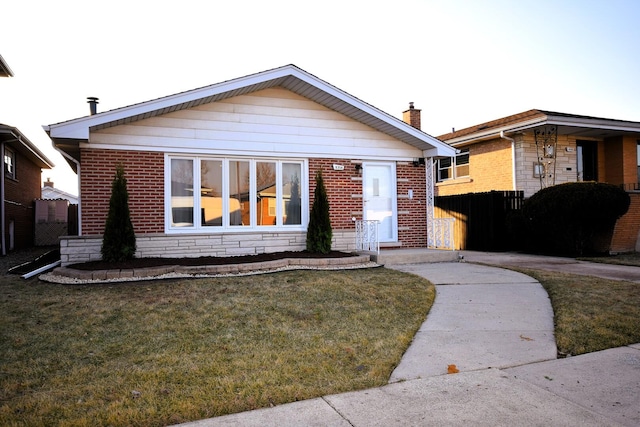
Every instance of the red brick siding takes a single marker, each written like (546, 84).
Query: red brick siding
(412, 227)
(625, 233)
(21, 194)
(341, 189)
(145, 182)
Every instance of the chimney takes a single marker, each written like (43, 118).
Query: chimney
(49, 183)
(93, 104)
(412, 116)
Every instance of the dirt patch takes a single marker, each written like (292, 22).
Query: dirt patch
(209, 260)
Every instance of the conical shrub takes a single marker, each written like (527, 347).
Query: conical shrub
(119, 240)
(319, 232)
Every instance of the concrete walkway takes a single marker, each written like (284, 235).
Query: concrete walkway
(482, 317)
(496, 327)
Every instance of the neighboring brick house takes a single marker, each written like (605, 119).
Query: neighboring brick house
(19, 188)
(20, 183)
(503, 155)
(241, 142)
(536, 149)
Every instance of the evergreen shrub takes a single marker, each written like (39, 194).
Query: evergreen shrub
(319, 232)
(573, 219)
(119, 240)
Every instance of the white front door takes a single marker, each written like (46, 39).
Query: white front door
(379, 193)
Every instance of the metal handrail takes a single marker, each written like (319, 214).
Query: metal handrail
(367, 236)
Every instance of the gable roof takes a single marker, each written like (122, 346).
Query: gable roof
(14, 138)
(568, 124)
(66, 135)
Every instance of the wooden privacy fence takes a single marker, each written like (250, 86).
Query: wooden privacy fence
(480, 218)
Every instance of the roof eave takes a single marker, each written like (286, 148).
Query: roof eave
(26, 146)
(289, 77)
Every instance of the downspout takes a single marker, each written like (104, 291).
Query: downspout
(2, 220)
(513, 158)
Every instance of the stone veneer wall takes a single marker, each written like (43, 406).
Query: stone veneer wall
(78, 249)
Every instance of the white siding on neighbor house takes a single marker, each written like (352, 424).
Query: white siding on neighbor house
(275, 122)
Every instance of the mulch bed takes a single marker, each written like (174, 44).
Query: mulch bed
(209, 260)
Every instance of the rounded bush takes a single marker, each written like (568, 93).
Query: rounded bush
(574, 218)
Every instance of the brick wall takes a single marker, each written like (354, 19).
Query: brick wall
(620, 160)
(144, 172)
(627, 229)
(19, 206)
(412, 212)
(344, 190)
(145, 182)
(490, 168)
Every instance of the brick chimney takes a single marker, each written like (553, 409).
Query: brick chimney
(412, 116)
(48, 183)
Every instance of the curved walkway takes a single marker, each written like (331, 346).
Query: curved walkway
(483, 317)
(496, 326)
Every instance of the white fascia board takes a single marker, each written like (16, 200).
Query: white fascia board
(372, 111)
(595, 124)
(495, 132)
(79, 128)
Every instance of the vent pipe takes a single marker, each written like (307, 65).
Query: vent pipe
(93, 104)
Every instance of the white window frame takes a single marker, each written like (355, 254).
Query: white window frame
(226, 227)
(455, 165)
(9, 167)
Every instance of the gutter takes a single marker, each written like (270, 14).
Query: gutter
(513, 158)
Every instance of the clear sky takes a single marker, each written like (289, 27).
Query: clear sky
(461, 62)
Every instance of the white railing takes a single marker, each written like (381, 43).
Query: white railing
(367, 236)
(442, 233)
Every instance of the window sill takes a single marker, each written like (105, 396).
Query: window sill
(454, 181)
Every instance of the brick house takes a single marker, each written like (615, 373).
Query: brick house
(19, 188)
(244, 143)
(536, 149)
(20, 183)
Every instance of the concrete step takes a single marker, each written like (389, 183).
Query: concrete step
(414, 256)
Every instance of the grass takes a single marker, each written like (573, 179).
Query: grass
(632, 259)
(590, 313)
(158, 353)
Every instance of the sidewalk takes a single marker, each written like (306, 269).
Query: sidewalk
(496, 326)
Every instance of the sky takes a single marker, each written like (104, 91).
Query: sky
(461, 62)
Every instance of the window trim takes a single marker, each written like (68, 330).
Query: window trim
(226, 227)
(9, 152)
(454, 166)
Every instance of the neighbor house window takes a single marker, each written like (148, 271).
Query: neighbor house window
(9, 163)
(454, 167)
(211, 194)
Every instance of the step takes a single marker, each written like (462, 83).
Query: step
(414, 256)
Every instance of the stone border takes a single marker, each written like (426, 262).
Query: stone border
(66, 275)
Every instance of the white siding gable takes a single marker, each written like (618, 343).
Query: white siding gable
(271, 122)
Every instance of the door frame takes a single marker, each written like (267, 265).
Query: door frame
(394, 198)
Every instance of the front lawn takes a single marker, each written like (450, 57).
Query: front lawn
(165, 352)
(591, 313)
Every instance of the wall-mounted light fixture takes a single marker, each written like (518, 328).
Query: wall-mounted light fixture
(418, 162)
(358, 167)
